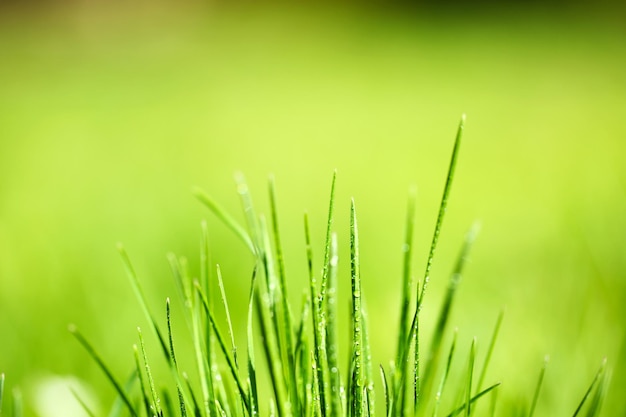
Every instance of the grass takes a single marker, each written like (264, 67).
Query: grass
(301, 355)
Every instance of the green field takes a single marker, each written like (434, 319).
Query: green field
(108, 119)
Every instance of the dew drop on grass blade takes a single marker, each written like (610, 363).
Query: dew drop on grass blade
(357, 402)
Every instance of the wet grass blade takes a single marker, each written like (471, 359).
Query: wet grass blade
(286, 312)
(332, 347)
(407, 278)
(142, 384)
(221, 341)
(179, 389)
(356, 394)
(156, 402)
(96, 357)
(221, 214)
(319, 348)
(442, 209)
(533, 404)
(252, 389)
(492, 344)
(370, 396)
(596, 378)
(433, 247)
(432, 362)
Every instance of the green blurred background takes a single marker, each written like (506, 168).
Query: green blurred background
(109, 114)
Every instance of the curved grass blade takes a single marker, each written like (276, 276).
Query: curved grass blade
(538, 387)
(357, 403)
(221, 214)
(229, 359)
(475, 398)
(596, 378)
(383, 378)
(96, 357)
(492, 343)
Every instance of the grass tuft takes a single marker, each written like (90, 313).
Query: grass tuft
(301, 352)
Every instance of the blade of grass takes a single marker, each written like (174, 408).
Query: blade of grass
(119, 405)
(332, 347)
(357, 314)
(286, 313)
(596, 378)
(407, 284)
(538, 387)
(446, 372)
(319, 348)
(599, 395)
(130, 271)
(383, 379)
(433, 246)
(179, 389)
(221, 214)
(432, 362)
(231, 334)
(229, 359)
(367, 364)
(252, 389)
(82, 403)
(156, 402)
(470, 374)
(475, 398)
(96, 357)
(142, 384)
(492, 344)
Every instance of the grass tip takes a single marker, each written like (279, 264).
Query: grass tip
(72, 328)
(463, 118)
(120, 247)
